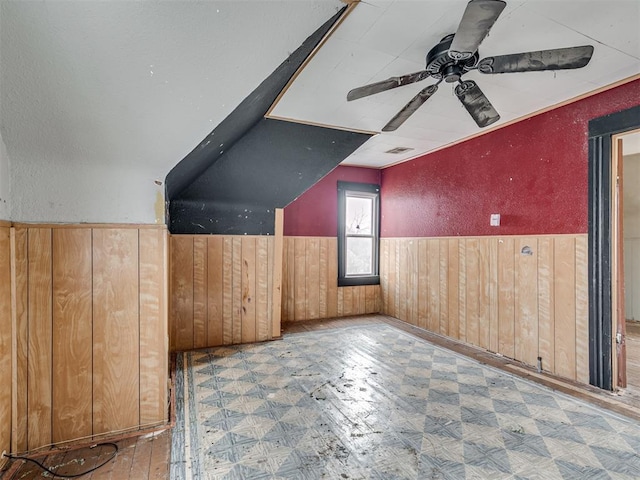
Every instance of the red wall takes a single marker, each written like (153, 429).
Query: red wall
(534, 173)
(315, 212)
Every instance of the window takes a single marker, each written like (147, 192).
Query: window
(358, 233)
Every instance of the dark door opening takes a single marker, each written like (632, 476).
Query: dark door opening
(603, 252)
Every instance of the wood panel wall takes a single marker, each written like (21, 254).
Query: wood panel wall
(310, 283)
(90, 326)
(220, 290)
(5, 339)
(486, 292)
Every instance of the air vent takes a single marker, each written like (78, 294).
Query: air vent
(399, 150)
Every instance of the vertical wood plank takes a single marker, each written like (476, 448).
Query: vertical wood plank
(200, 291)
(312, 278)
(506, 296)
(473, 291)
(370, 299)
(347, 301)
(292, 280)
(40, 336)
(565, 306)
(300, 290)
(403, 279)
(340, 302)
(384, 274)
(393, 279)
(433, 276)
(355, 300)
(116, 330)
(153, 326)
(423, 283)
(263, 312)
(332, 277)
(215, 303)
(6, 338)
(526, 301)
(20, 341)
(227, 290)
(453, 293)
(323, 274)
(248, 314)
(546, 295)
(276, 268)
(462, 289)
(443, 300)
(236, 244)
(285, 280)
(181, 292)
(274, 293)
(484, 293)
(493, 294)
(412, 278)
(72, 333)
(362, 299)
(582, 310)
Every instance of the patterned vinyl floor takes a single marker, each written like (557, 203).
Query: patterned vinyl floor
(373, 402)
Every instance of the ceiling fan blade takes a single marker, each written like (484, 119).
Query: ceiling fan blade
(476, 103)
(410, 108)
(388, 84)
(556, 59)
(477, 20)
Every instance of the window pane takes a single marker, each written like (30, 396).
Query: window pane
(358, 215)
(359, 256)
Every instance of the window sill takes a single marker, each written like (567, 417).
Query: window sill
(359, 281)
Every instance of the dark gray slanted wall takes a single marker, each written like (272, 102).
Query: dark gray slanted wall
(262, 164)
(267, 168)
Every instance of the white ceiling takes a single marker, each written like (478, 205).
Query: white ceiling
(117, 93)
(383, 38)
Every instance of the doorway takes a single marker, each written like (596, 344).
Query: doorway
(626, 202)
(603, 249)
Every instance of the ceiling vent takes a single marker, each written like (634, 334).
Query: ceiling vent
(399, 150)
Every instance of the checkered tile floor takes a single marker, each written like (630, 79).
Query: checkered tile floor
(373, 402)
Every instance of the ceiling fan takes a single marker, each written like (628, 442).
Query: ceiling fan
(456, 54)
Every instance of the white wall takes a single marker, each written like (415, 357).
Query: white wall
(631, 221)
(101, 99)
(5, 183)
(50, 190)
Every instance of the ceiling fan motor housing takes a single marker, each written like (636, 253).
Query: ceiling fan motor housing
(441, 66)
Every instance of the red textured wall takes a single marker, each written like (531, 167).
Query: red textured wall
(315, 212)
(534, 173)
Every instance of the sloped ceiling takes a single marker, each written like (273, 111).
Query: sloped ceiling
(384, 38)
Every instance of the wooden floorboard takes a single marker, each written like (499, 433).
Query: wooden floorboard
(143, 457)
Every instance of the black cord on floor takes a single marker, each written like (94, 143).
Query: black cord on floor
(75, 475)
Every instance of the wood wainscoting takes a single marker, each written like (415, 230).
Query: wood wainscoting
(5, 338)
(89, 331)
(220, 290)
(310, 283)
(521, 297)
